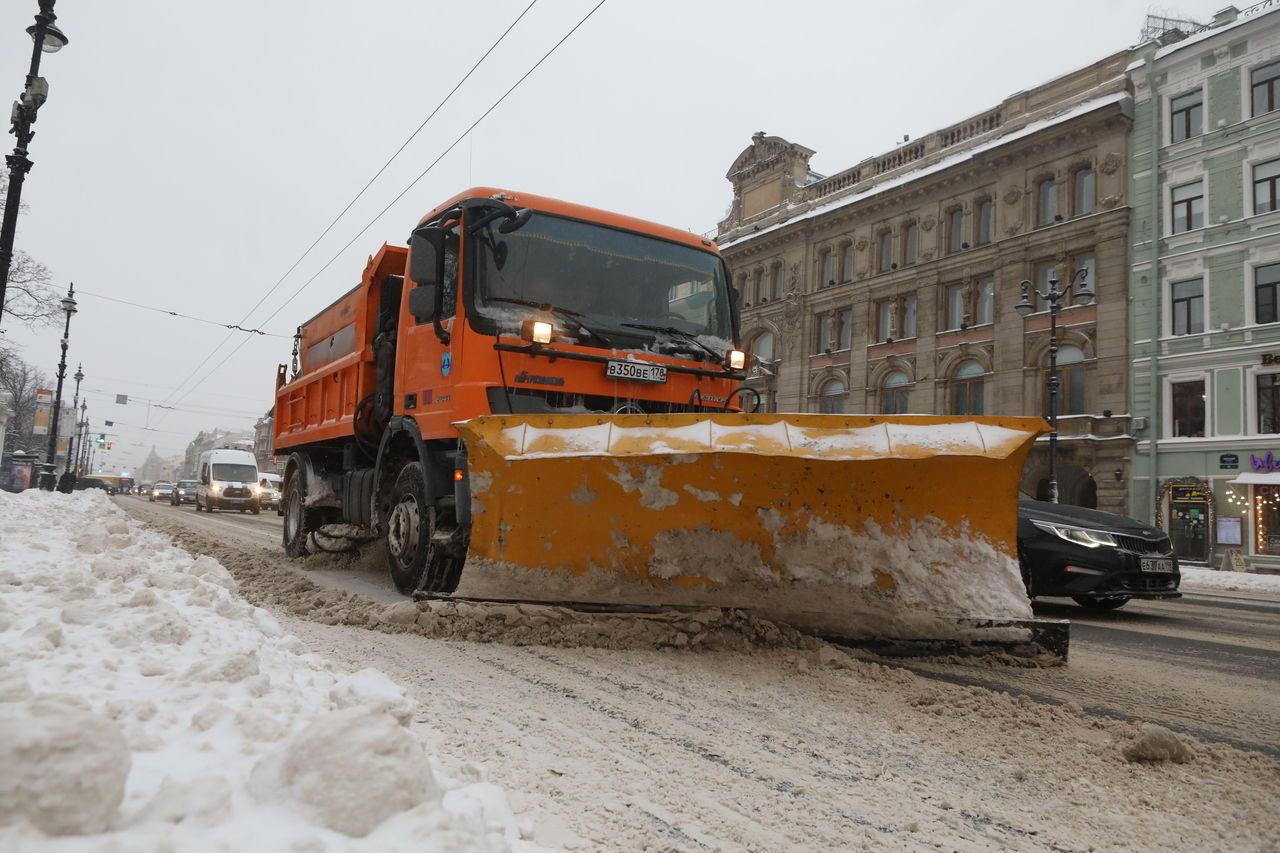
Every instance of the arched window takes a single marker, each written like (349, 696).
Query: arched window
(1046, 201)
(831, 397)
(895, 393)
(967, 385)
(1071, 381)
(762, 348)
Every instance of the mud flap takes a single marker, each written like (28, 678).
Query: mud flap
(847, 526)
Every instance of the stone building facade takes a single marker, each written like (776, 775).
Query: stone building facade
(1205, 275)
(891, 286)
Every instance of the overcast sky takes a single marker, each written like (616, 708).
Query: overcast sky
(190, 153)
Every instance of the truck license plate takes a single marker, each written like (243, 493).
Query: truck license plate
(636, 371)
(1150, 564)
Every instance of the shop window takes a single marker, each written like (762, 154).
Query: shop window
(1266, 518)
(1186, 301)
(1188, 207)
(1084, 192)
(967, 389)
(1188, 408)
(1268, 400)
(1266, 181)
(895, 394)
(1265, 88)
(832, 396)
(1186, 114)
(1046, 201)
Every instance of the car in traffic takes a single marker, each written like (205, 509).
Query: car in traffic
(1099, 559)
(160, 491)
(269, 491)
(83, 483)
(184, 492)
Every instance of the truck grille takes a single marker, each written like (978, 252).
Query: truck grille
(236, 493)
(1139, 545)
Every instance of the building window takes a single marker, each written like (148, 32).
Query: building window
(1266, 179)
(911, 247)
(896, 318)
(1188, 207)
(845, 337)
(1269, 402)
(1084, 262)
(777, 281)
(895, 394)
(955, 230)
(826, 333)
(986, 221)
(828, 268)
(1046, 201)
(1084, 192)
(955, 295)
(967, 389)
(986, 301)
(1185, 115)
(1187, 302)
(760, 286)
(886, 251)
(1046, 272)
(1071, 375)
(831, 397)
(1188, 408)
(762, 348)
(744, 285)
(846, 263)
(1266, 279)
(908, 304)
(1266, 88)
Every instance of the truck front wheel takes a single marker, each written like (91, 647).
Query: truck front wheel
(299, 520)
(417, 558)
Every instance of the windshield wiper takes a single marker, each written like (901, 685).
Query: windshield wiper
(565, 313)
(718, 358)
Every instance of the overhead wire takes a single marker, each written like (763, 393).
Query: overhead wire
(356, 198)
(402, 193)
(231, 326)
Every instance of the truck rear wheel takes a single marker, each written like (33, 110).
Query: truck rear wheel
(416, 558)
(299, 520)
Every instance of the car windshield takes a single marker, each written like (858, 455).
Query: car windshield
(230, 472)
(186, 484)
(607, 283)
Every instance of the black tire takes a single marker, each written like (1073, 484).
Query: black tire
(415, 562)
(299, 520)
(256, 509)
(1100, 603)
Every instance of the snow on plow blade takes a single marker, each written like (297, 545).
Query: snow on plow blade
(847, 526)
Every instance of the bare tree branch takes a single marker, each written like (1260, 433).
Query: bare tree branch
(19, 382)
(29, 296)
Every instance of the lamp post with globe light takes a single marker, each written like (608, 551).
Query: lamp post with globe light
(1053, 296)
(47, 38)
(48, 478)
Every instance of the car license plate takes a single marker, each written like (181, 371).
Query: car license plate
(637, 371)
(1150, 564)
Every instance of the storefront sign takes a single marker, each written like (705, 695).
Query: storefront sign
(1264, 463)
(1230, 530)
(1188, 494)
(1228, 462)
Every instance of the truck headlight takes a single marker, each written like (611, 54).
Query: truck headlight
(536, 331)
(737, 359)
(215, 489)
(1085, 536)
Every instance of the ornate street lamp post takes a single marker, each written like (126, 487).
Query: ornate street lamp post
(49, 477)
(47, 39)
(1053, 296)
(73, 442)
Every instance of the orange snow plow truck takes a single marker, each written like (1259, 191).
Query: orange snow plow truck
(537, 401)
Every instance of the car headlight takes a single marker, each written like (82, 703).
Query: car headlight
(215, 489)
(1085, 536)
(257, 490)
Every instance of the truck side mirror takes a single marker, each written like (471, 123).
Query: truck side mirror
(426, 255)
(422, 302)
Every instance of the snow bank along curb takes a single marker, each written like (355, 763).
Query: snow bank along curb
(1211, 579)
(143, 701)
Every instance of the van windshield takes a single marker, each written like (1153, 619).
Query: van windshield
(224, 472)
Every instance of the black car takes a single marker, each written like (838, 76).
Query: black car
(184, 492)
(1099, 559)
(83, 483)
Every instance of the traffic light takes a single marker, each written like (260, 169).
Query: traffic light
(108, 445)
(101, 439)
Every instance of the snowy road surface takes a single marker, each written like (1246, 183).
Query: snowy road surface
(608, 734)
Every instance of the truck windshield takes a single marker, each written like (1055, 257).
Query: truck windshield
(227, 472)
(611, 282)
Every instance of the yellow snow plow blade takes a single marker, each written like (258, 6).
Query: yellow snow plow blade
(853, 526)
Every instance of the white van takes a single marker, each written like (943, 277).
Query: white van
(228, 480)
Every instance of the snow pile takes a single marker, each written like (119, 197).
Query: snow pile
(1211, 579)
(144, 703)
